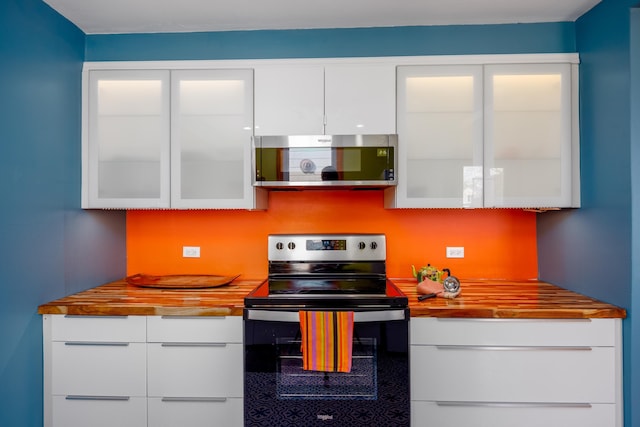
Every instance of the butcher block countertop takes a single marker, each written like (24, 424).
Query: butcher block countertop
(478, 299)
(509, 299)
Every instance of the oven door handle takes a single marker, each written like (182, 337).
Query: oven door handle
(294, 316)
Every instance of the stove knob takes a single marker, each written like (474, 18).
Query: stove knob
(362, 245)
(279, 246)
(374, 245)
(291, 245)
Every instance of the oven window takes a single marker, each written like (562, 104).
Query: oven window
(292, 382)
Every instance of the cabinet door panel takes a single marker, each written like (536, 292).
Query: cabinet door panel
(127, 140)
(195, 329)
(195, 370)
(99, 328)
(360, 99)
(98, 369)
(195, 413)
(427, 414)
(440, 136)
(514, 374)
(99, 413)
(289, 100)
(212, 122)
(515, 332)
(528, 135)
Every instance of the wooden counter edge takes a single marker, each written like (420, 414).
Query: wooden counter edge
(417, 309)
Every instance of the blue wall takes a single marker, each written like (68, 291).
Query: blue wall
(396, 41)
(49, 246)
(591, 250)
(633, 343)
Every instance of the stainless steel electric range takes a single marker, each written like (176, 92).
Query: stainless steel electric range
(328, 273)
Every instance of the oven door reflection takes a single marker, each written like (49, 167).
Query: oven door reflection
(292, 382)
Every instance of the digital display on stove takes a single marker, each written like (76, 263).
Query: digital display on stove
(326, 245)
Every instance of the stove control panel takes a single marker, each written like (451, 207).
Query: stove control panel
(327, 247)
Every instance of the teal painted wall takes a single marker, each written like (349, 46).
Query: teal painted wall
(633, 343)
(49, 246)
(395, 41)
(593, 250)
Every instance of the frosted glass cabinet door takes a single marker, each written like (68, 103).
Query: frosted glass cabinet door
(128, 139)
(211, 128)
(439, 136)
(528, 135)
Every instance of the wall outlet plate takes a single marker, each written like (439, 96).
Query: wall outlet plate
(191, 251)
(455, 251)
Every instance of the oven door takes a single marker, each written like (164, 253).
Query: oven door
(278, 392)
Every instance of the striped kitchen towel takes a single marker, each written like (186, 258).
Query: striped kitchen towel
(327, 338)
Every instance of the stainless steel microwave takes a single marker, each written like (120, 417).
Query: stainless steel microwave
(325, 161)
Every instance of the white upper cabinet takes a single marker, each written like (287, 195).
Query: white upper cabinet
(165, 138)
(498, 135)
(440, 136)
(360, 99)
(337, 99)
(211, 128)
(528, 135)
(126, 163)
(289, 100)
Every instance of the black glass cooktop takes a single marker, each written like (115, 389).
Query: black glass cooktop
(342, 286)
(326, 293)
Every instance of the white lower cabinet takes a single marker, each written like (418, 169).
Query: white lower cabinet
(194, 370)
(95, 371)
(495, 372)
(155, 371)
(138, 371)
(195, 412)
(99, 411)
(509, 415)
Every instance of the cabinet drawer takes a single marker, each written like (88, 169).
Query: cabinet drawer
(98, 369)
(195, 370)
(99, 328)
(99, 412)
(194, 329)
(516, 332)
(195, 412)
(428, 414)
(513, 374)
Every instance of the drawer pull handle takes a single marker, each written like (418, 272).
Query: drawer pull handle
(514, 404)
(503, 320)
(194, 399)
(80, 397)
(193, 344)
(177, 317)
(513, 348)
(85, 316)
(92, 343)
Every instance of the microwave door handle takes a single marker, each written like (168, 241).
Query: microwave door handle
(294, 316)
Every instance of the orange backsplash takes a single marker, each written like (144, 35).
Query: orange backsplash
(498, 243)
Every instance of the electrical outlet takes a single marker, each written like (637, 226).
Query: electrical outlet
(191, 251)
(455, 251)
